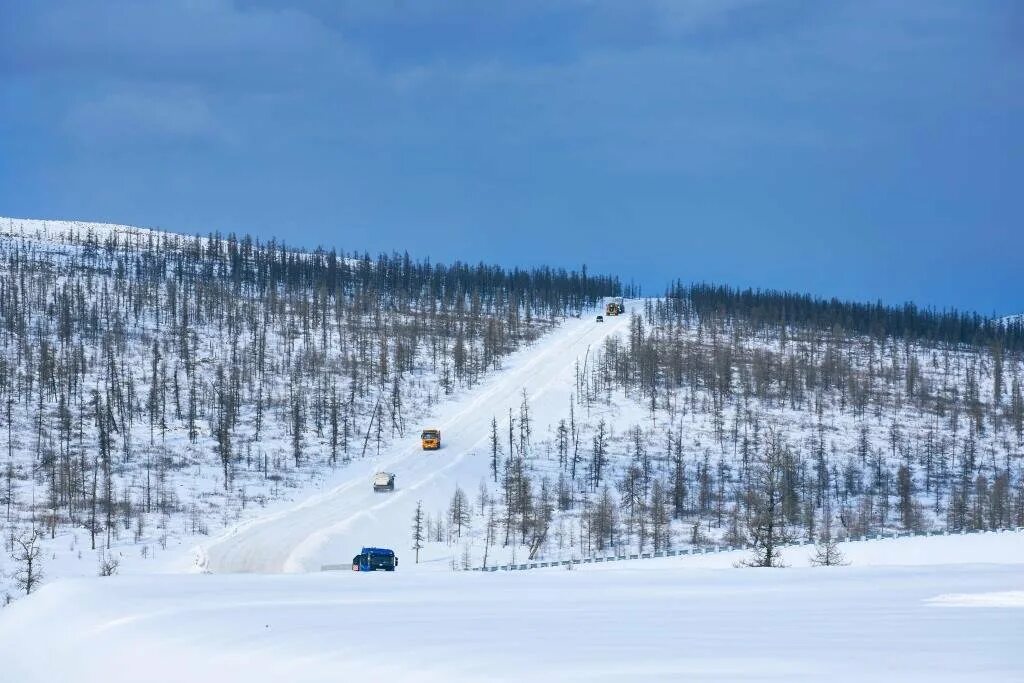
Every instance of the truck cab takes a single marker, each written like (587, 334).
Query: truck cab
(430, 439)
(373, 559)
(615, 307)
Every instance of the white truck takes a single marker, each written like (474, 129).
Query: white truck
(383, 481)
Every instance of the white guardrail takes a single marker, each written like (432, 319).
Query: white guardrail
(702, 551)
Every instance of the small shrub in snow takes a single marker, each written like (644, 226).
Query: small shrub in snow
(108, 566)
(27, 560)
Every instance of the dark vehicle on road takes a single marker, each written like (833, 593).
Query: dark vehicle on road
(373, 559)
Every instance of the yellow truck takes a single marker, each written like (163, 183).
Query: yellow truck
(431, 439)
(614, 307)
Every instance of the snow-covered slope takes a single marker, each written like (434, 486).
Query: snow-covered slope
(157, 387)
(59, 232)
(331, 527)
(656, 621)
(639, 424)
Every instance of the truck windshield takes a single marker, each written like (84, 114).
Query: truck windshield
(429, 434)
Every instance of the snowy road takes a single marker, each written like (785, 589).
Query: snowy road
(332, 526)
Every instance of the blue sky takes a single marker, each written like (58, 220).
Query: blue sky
(858, 149)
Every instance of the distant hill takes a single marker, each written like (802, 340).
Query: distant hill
(156, 388)
(1013, 319)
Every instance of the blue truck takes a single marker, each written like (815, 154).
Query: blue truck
(372, 559)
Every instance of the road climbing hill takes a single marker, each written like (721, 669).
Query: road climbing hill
(331, 527)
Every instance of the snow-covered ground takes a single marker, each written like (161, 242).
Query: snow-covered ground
(653, 620)
(250, 604)
(331, 527)
(1000, 547)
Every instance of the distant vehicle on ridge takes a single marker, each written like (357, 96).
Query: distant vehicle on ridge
(615, 307)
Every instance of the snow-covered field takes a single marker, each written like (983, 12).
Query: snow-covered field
(653, 620)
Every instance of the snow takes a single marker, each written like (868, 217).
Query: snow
(1001, 547)
(1003, 599)
(658, 620)
(199, 503)
(58, 234)
(325, 528)
(59, 231)
(1012, 319)
(250, 603)
(318, 515)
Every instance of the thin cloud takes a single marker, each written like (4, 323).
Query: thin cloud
(162, 116)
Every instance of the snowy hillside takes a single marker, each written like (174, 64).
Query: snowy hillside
(158, 387)
(215, 403)
(198, 421)
(692, 428)
(326, 529)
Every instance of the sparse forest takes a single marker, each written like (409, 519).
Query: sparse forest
(153, 385)
(750, 418)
